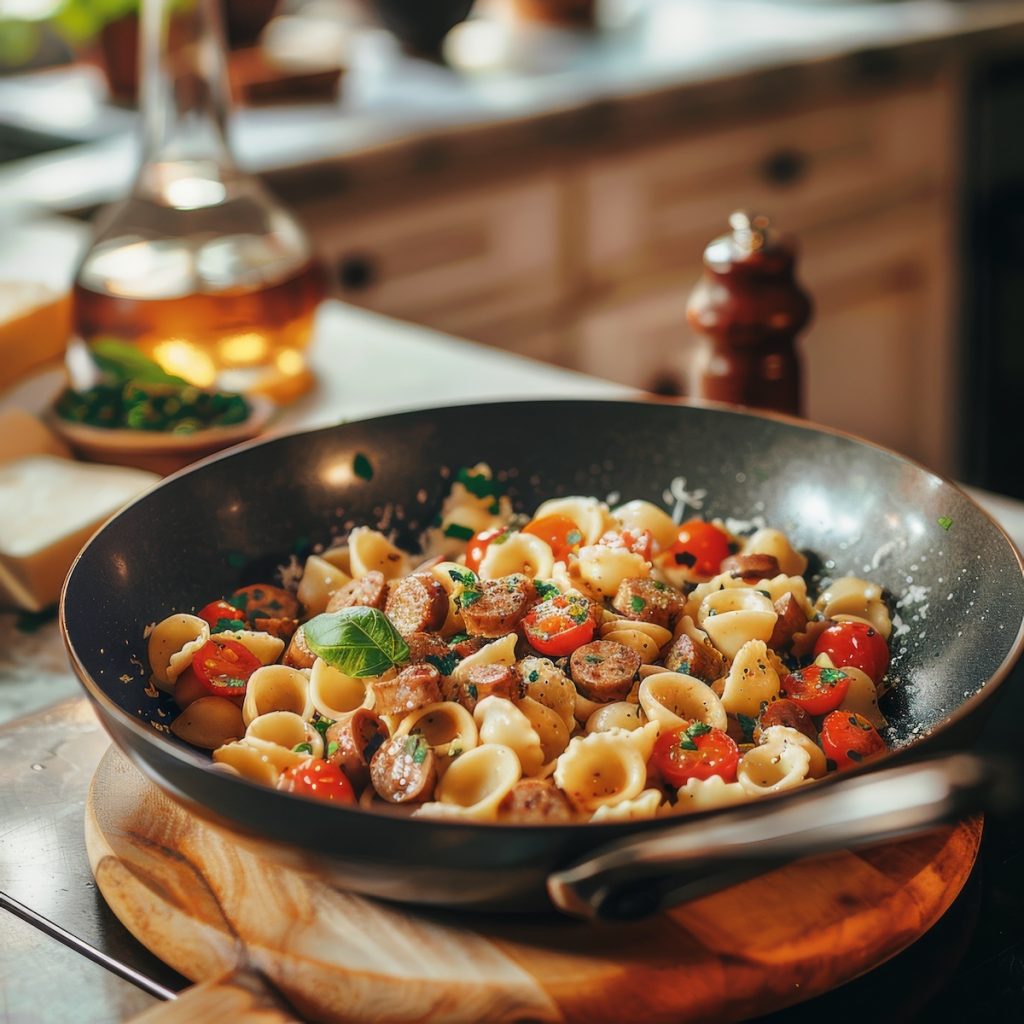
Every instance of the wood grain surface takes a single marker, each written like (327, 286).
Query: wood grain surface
(211, 909)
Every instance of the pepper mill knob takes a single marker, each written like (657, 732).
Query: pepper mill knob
(748, 309)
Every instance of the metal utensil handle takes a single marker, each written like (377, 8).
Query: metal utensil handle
(635, 877)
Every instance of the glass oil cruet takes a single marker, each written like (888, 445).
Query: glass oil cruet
(200, 267)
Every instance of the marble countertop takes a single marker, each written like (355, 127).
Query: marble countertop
(515, 89)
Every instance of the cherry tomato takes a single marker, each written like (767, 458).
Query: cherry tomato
(699, 546)
(855, 645)
(318, 779)
(848, 738)
(815, 689)
(695, 751)
(558, 626)
(221, 616)
(478, 545)
(224, 668)
(640, 542)
(559, 532)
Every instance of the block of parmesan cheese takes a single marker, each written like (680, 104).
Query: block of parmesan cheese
(49, 507)
(35, 322)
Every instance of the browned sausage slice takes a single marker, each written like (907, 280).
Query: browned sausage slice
(648, 601)
(791, 620)
(416, 604)
(370, 591)
(751, 567)
(693, 659)
(426, 645)
(414, 687)
(262, 601)
(352, 742)
(534, 801)
(603, 670)
(404, 770)
(482, 681)
(470, 645)
(297, 654)
(493, 608)
(283, 629)
(788, 713)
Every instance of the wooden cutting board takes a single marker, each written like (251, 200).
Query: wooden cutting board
(212, 909)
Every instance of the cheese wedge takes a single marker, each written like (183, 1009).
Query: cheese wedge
(35, 323)
(23, 434)
(49, 507)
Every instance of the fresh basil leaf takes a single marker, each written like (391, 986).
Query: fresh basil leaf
(458, 531)
(122, 362)
(357, 641)
(464, 576)
(444, 664)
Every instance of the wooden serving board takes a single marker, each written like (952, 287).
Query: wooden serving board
(210, 909)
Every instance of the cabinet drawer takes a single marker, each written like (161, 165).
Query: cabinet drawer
(450, 263)
(825, 167)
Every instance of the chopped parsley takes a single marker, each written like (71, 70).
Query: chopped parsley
(684, 668)
(832, 675)
(593, 659)
(457, 639)
(945, 522)
(362, 467)
(695, 729)
(458, 531)
(495, 509)
(417, 748)
(747, 726)
(468, 598)
(573, 537)
(637, 603)
(533, 676)
(231, 681)
(322, 725)
(332, 748)
(505, 534)
(472, 690)
(239, 601)
(302, 748)
(545, 590)
(478, 484)
(658, 585)
(228, 625)
(463, 576)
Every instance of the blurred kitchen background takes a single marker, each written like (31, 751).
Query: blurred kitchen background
(544, 177)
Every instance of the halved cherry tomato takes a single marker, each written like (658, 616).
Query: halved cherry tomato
(695, 751)
(559, 532)
(478, 545)
(816, 689)
(318, 779)
(558, 626)
(224, 667)
(699, 546)
(848, 738)
(221, 616)
(857, 645)
(640, 542)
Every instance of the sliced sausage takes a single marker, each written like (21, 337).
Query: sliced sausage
(404, 770)
(426, 645)
(472, 644)
(283, 629)
(352, 742)
(751, 567)
(792, 619)
(369, 591)
(414, 687)
(788, 713)
(482, 681)
(493, 608)
(416, 604)
(297, 654)
(603, 670)
(262, 601)
(648, 601)
(694, 659)
(535, 802)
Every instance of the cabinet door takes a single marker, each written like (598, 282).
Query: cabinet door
(454, 263)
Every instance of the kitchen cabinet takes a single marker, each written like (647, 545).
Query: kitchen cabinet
(589, 264)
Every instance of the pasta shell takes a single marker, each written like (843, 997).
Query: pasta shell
(705, 794)
(602, 768)
(335, 694)
(448, 728)
(751, 682)
(775, 542)
(286, 729)
(548, 725)
(276, 688)
(501, 723)
(673, 699)
(172, 644)
(733, 617)
(602, 569)
(772, 767)
(851, 597)
(520, 553)
(209, 723)
(260, 645)
(643, 806)
(369, 551)
(818, 766)
(590, 515)
(620, 714)
(320, 579)
(499, 652)
(642, 515)
(478, 781)
(251, 762)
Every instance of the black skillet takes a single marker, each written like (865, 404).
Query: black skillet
(856, 509)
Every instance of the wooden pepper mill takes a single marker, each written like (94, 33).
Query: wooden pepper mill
(748, 308)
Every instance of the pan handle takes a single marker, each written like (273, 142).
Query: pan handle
(636, 877)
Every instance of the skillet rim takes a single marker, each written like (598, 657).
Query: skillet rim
(188, 758)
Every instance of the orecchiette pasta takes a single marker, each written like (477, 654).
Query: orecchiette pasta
(607, 666)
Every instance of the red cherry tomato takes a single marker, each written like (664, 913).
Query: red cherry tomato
(640, 542)
(855, 645)
(224, 668)
(695, 751)
(318, 779)
(817, 690)
(848, 739)
(558, 626)
(700, 546)
(559, 532)
(221, 616)
(478, 545)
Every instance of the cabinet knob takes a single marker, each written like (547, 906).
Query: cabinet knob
(356, 272)
(785, 167)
